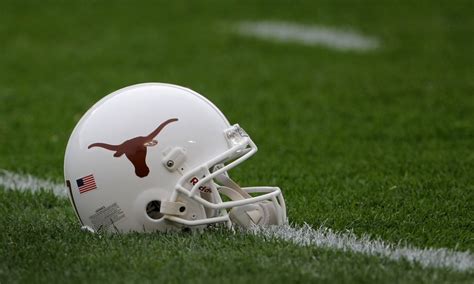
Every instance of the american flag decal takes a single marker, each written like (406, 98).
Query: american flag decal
(86, 183)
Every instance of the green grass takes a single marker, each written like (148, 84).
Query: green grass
(379, 143)
(42, 244)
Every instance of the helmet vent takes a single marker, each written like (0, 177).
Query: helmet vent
(153, 210)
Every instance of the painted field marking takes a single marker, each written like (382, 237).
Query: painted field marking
(334, 38)
(14, 181)
(347, 241)
(302, 236)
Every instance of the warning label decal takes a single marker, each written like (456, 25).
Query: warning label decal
(106, 216)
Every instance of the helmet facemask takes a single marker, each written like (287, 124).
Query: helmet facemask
(208, 183)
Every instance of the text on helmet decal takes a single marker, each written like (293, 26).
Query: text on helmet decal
(202, 188)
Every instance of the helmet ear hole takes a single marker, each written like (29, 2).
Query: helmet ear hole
(153, 210)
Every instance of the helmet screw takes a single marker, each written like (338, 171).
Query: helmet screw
(170, 163)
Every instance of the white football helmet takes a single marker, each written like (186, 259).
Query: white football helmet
(154, 157)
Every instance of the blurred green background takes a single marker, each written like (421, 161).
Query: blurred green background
(377, 142)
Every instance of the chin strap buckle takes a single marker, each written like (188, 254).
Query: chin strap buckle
(173, 208)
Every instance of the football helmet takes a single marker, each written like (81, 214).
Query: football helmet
(155, 157)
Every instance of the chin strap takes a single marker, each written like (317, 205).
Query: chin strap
(261, 213)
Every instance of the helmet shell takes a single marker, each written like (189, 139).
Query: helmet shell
(109, 184)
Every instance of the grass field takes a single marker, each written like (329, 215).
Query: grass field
(379, 142)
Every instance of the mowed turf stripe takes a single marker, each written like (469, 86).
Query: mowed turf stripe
(303, 236)
(339, 39)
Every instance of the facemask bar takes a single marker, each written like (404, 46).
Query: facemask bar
(241, 148)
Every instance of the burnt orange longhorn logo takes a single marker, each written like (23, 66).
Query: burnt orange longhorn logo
(135, 148)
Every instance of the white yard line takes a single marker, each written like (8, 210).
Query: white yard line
(347, 241)
(302, 236)
(334, 38)
(14, 181)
